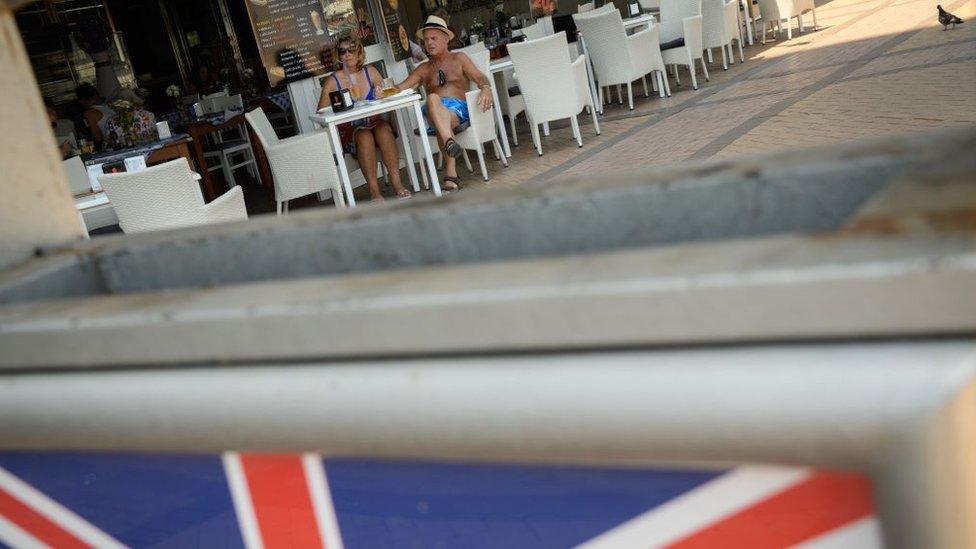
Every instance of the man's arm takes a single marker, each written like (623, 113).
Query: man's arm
(415, 78)
(485, 100)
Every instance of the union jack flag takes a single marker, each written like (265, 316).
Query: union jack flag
(285, 500)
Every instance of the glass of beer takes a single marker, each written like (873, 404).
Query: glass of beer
(388, 87)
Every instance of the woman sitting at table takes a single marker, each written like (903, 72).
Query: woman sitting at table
(97, 114)
(360, 138)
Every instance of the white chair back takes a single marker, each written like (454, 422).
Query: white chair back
(77, 174)
(585, 7)
(534, 32)
(606, 43)
(672, 14)
(473, 49)
(650, 5)
(160, 197)
(262, 128)
(545, 77)
(226, 102)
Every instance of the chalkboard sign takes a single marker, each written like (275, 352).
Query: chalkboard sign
(295, 36)
(395, 19)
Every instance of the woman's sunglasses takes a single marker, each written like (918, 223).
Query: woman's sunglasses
(343, 51)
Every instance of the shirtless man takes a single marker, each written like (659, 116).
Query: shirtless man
(447, 77)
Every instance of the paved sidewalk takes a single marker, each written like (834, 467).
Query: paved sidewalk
(872, 68)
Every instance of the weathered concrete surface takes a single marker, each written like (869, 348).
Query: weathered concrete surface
(37, 208)
(801, 192)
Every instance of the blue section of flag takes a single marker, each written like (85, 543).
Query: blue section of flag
(140, 500)
(413, 504)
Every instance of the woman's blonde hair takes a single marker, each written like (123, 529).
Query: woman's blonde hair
(349, 39)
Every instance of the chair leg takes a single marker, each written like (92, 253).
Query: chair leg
(709, 51)
(691, 69)
(630, 96)
(279, 206)
(499, 152)
(664, 82)
(799, 21)
(514, 131)
(742, 57)
(789, 29)
(467, 161)
(813, 12)
(677, 79)
(596, 123)
(704, 70)
(725, 60)
(286, 206)
(644, 81)
(535, 137)
(576, 130)
(422, 164)
(481, 162)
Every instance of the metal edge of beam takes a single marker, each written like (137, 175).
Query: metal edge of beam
(879, 408)
(781, 288)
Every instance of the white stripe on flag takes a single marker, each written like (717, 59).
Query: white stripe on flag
(700, 507)
(14, 536)
(242, 500)
(860, 534)
(55, 512)
(318, 487)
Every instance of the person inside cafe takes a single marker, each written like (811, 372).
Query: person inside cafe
(64, 130)
(447, 77)
(97, 115)
(206, 81)
(360, 138)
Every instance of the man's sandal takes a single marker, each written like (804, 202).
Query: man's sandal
(452, 148)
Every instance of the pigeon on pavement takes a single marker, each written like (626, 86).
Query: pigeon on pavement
(946, 19)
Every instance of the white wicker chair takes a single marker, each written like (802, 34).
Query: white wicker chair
(167, 196)
(233, 143)
(720, 24)
(779, 11)
(653, 6)
(553, 87)
(585, 7)
(618, 58)
(301, 165)
(534, 32)
(682, 20)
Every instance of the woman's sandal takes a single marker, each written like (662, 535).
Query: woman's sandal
(404, 194)
(452, 148)
(451, 184)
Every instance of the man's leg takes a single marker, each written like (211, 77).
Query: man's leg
(443, 120)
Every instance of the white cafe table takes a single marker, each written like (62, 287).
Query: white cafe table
(396, 104)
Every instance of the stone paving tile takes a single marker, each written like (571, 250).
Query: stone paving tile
(909, 101)
(777, 84)
(918, 58)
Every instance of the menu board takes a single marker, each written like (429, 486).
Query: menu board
(295, 36)
(394, 19)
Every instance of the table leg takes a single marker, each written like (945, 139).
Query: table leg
(747, 13)
(502, 132)
(260, 158)
(431, 171)
(590, 78)
(341, 163)
(406, 133)
(206, 181)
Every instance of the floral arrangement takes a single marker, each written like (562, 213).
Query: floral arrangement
(124, 120)
(477, 27)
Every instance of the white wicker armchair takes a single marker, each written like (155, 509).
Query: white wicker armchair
(167, 196)
(553, 87)
(681, 36)
(720, 26)
(779, 11)
(618, 58)
(301, 165)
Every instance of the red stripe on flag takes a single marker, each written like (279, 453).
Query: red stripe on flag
(282, 504)
(821, 503)
(35, 523)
